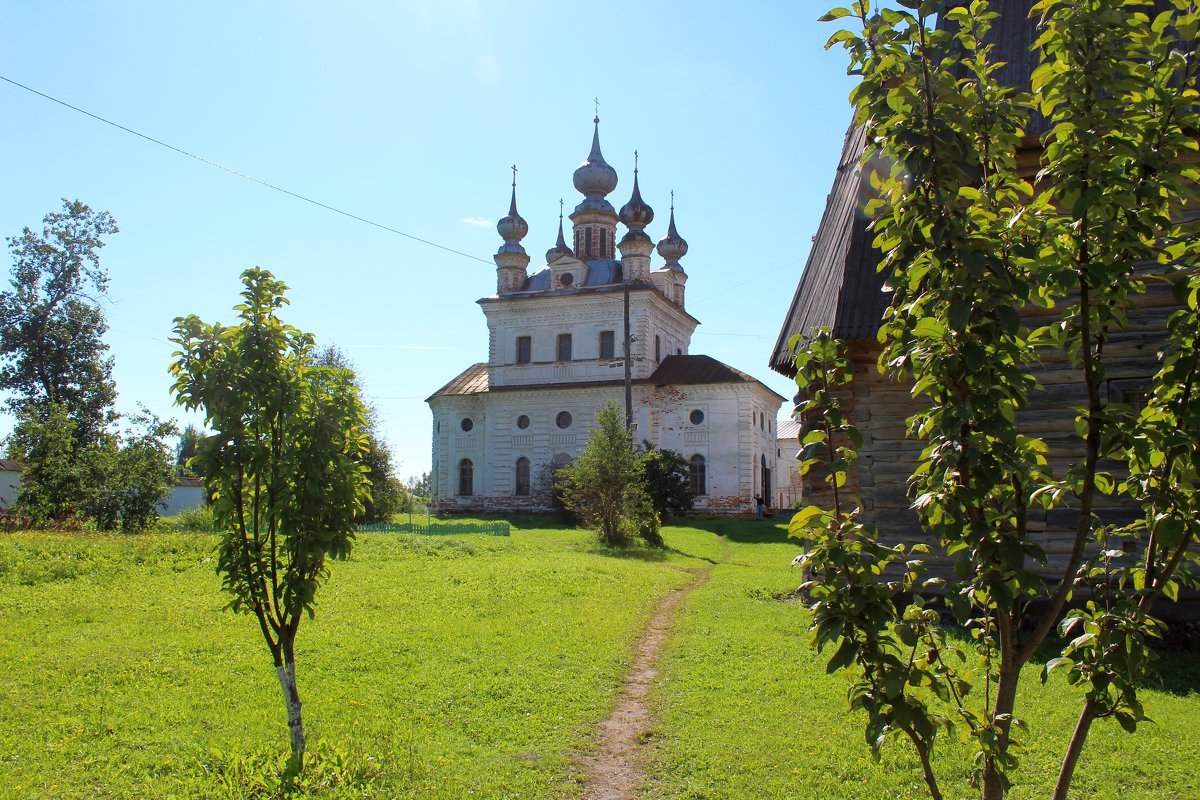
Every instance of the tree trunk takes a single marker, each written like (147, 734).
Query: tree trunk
(1006, 699)
(287, 681)
(1073, 750)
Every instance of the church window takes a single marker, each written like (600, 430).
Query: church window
(697, 417)
(466, 478)
(657, 349)
(524, 349)
(566, 279)
(698, 475)
(522, 422)
(604, 243)
(587, 239)
(563, 420)
(522, 477)
(467, 424)
(607, 344)
(564, 347)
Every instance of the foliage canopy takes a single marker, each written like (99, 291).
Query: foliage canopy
(970, 237)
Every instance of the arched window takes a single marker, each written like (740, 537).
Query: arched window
(657, 349)
(698, 475)
(522, 477)
(466, 478)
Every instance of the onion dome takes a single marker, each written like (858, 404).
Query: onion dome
(594, 178)
(636, 214)
(560, 248)
(672, 247)
(513, 227)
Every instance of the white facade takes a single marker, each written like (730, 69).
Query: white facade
(555, 355)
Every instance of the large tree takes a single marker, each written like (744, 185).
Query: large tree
(51, 325)
(666, 477)
(388, 496)
(970, 237)
(283, 465)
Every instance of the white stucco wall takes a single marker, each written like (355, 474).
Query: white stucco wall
(182, 498)
(10, 481)
(735, 437)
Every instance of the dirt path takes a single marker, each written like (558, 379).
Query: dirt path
(615, 767)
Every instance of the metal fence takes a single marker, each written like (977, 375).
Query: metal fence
(436, 528)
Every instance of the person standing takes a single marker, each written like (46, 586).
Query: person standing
(758, 506)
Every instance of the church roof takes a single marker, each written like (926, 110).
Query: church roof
(695, 371)
(472, 380)
(600, 272)
(673, 371)
(788, 429)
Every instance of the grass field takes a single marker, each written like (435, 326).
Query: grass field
(470, 666)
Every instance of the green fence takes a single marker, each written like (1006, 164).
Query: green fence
(436, 528)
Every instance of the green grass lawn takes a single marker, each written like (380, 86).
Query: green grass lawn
(467, 666)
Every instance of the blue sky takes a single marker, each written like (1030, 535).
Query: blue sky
(409, 114)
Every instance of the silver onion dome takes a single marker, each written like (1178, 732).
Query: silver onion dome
(513, 227)
(636, 214)
(672, 247)
(594, 178)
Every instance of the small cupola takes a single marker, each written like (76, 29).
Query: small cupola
(560, 248)
(636, 246)
(636, 214)
(511, 259)
(672, 247)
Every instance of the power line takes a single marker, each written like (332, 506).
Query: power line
(748, 280)
(232, 171)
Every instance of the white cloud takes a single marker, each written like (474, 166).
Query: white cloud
(480, 221)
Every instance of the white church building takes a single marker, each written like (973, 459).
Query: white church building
(556, 346)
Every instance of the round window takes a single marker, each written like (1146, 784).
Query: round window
(466, 424)
(522, 422)
(567, 279)
(563, 420)
(697, 417)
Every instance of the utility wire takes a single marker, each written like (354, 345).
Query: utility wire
(259, 181)
(752, 279)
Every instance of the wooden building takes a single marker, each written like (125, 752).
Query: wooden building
(841, 289)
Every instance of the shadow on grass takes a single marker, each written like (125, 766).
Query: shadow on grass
(1175, 670)
(737, 529)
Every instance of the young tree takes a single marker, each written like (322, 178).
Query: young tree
(51, 328)
(666, 477)
(969, 239)
(602, 486)
(283, 465)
